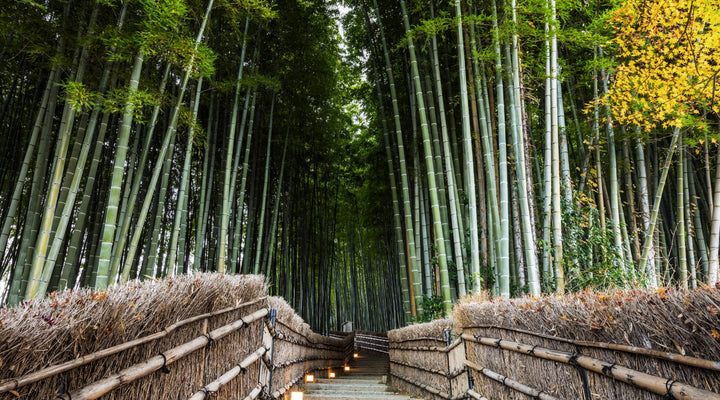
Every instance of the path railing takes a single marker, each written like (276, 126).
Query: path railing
(500, 363)
(372, 341)
(432, 367)
(241, 352)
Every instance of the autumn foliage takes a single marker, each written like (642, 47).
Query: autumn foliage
(669, 62)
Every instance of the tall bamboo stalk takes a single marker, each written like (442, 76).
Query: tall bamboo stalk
(429, 165)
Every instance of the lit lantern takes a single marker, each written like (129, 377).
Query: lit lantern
(331, 374)
(347, 368)
(309, 378)
(296, 396)
(355, 355)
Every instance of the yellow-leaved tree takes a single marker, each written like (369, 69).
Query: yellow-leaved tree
(667, 78)
(669, 54)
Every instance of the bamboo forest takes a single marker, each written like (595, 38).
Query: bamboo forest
(375, 160)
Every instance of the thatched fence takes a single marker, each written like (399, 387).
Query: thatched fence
(625, 345)
(426, 362)
(183, 337)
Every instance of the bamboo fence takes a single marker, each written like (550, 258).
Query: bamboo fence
(623, 345)
(243, 351)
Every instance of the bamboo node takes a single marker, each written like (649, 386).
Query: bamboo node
(497, 343)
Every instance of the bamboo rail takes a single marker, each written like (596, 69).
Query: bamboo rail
(511, 383)
(446, 374)
(678, 358)
(255, 393)
(48, 372)
(430, 389)
(132, 373)
(475, 395)
(445, 349)
(215, 385)
(651, 383)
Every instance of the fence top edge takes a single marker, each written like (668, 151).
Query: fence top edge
(697, 362)
(52, 370)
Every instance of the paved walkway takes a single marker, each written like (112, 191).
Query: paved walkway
(363, 381)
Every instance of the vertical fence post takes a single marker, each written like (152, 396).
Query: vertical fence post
(448, 342)
(270, 352)
(471, 380)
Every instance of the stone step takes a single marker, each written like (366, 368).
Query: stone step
(364, 381)
(344, 396)
(341, 380)
(347, 386)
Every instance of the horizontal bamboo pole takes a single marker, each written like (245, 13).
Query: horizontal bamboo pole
(417, 339)
(147, 367)
(475, 395)
(48, 372)
(511, 383)
(427, 388)
(444, 349)
(223, 380)
(651, 383)
(446, 374)
(678, 358)
(255, 393)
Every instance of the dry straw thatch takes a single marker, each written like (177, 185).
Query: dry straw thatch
(39, 334)
(679, 327)
(431, 332)
(422, 364)
(298, 350)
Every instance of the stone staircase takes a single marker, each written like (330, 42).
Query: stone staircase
(365, 380)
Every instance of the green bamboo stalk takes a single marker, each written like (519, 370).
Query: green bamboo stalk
(182, 192)
(243, 183)
(644, 198)
(429, 165)
(530, 250)
(658, 197)
(227, 199)
(276, 207)
(468, 154)
(131, 196)
(414, 283)
(556, 208)
(205, 190)
(261, 223)
(488, 152)
(111, 213)
(504, 239)
(714, 262)
(457, 232)
(680, 218)
(169, 135)
(698, 225)
(398, 227)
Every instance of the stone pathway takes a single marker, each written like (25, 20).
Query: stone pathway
(364, 381)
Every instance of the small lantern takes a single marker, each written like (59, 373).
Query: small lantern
(309, 378)
(296, 396)
(355, 355)
(347, 368)
(331, 375)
